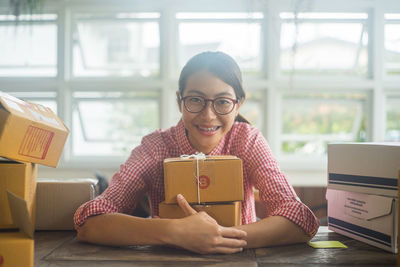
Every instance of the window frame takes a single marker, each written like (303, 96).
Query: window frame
(270, 84)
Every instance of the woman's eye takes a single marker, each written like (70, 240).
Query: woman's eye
(223, 102)
(195, 100)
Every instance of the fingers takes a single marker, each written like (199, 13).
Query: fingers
(232, 238)
(187, 209)
(232, 232)
(232, 243)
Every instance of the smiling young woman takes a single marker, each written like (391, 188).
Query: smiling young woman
(210, 96)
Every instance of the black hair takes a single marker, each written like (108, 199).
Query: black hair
(220, 65)
(217, 63)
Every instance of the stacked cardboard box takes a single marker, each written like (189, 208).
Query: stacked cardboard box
(19, 178)
(17, 248)
(213, 184)
(30, 134)
(363, 190)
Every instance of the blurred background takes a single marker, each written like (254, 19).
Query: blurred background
(315, 72)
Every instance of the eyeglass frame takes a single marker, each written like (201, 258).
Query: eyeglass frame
(235, 101)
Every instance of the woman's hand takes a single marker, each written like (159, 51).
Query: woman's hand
(200, 233)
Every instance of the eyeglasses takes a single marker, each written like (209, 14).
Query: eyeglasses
(221, 105)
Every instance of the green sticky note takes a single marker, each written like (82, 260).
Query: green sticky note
(327, 244)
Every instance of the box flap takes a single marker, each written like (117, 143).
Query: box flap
(20, 214)
(32, 111)
(10, 102)
(367, 207)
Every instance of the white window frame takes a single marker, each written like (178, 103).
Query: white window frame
(377, 85)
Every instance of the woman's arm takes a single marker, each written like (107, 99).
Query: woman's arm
(273, 231)
(198, 232)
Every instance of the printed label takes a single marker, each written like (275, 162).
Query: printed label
(356, 207)
(36, 143)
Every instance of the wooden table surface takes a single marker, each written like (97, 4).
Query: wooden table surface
(61, 249)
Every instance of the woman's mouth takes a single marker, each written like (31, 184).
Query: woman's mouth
(208, 130)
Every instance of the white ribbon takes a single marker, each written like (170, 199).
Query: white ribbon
(197, 156)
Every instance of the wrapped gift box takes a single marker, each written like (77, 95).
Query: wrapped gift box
(226, 214)
(220, 179)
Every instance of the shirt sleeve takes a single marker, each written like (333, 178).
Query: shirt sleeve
(275, 191)
(126, 186)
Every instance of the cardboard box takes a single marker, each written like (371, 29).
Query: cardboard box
(17, 248)
(226, 214)
(19, 178)
(369, 168)
(221, 179)
(57, 201)
(30, 132)
(372, 219)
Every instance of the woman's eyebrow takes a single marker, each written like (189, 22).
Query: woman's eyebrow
(194, 91)
(224, 94)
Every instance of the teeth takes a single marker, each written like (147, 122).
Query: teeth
(208, 129)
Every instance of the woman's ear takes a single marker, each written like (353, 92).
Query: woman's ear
(239, 104)
(178, 99)
(241, 101)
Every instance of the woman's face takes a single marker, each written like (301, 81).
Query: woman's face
(206, 128)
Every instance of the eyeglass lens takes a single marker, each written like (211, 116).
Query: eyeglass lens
(221, 105)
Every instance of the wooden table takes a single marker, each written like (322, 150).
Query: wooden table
(61, 248)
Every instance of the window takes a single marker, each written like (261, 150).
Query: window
(238, 34)
(311, 121)
(110, 70)
(324, 43)
(392, 44)
(393, 119)
(121, 44)
(253, 109)
(112, 123)
(31, 46)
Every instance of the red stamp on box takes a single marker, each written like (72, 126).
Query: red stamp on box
(204, 181)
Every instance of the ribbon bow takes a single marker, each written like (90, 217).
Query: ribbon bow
(198, 155)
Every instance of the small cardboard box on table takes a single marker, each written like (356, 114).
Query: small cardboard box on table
(220, 179)
(362, 192)
(226, 214)
(57, 201)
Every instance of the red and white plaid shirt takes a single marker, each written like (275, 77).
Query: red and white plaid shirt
(143, 173)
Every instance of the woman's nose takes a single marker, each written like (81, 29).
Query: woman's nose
(208, 110)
